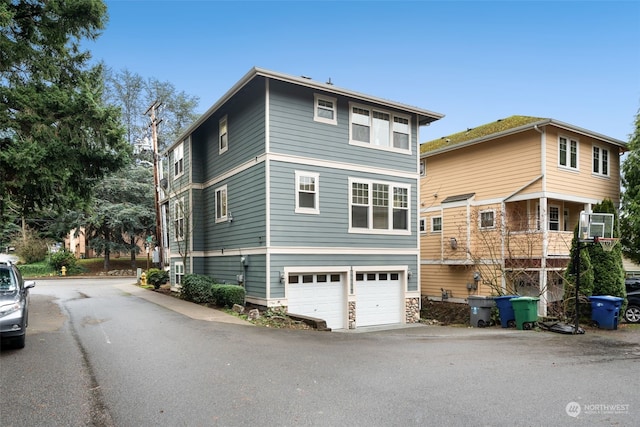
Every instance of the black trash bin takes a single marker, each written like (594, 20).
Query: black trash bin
(480, 308)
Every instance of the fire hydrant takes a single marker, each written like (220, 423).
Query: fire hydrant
(143, 279)
(63, 270)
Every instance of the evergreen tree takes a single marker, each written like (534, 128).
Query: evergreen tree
(570, 275)
(122, 213)
(57, 136)
(608, 269)
(630, 203)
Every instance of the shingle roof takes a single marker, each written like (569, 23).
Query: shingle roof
(458, 198)
(479, 132)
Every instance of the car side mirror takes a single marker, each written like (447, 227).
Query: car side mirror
(30, 284)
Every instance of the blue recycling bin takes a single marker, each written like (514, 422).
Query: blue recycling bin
(605, 310)
(505, 310)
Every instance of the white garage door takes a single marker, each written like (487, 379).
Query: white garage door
(378, 299)
(320, 295)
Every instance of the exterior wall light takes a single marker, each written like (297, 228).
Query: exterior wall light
(453, 242)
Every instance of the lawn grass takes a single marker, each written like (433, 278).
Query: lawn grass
(89, 267)
(36, 269)
(96, 265)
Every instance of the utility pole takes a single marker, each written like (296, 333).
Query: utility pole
(151, 111)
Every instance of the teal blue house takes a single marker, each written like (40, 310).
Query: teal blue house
(305, 194)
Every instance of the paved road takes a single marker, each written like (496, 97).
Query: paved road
(105, 353)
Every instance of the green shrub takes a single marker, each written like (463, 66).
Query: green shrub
(228, 295)
(31, 250)
(66, 259)
(39, 269)
(157, 277)
(197, 288)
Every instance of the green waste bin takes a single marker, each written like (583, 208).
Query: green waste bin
(526, 311)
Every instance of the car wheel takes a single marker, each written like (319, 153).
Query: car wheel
(19, 341)
(632, 314)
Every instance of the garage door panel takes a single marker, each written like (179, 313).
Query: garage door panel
(378, 301)
(324, 300)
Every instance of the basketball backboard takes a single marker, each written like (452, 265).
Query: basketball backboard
(594, 225)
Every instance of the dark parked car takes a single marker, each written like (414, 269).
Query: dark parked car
(632, 313)
(14, 304)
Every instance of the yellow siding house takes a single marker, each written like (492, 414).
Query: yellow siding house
(499, 203)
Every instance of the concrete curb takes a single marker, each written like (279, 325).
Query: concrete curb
(186, 308)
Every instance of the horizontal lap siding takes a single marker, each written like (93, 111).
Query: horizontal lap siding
(173, 244)
(293, 131)
(582, 183)
(246, 132)
(197, 221)
(279, 262)
(453, 279)
(225, 269)
(330, 227)
(492, 169)
(246, 203)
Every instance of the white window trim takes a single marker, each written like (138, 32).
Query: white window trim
(178, 271)
(433, 218)
(369, 144)
(480, 219)
(370, 229)
(178, 214)
(317, 97)
(221, 218)
(549, 217)
(601, 162)
(223, 122)
(303, 210)
(423, 225)
(568, 165)
(178, 154)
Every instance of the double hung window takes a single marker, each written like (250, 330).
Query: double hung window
(179, 272)
(223, 136)
(568, 153)
(221, 204)
(178, 160)
(487, 219)
(554, 218)
(436, 224)
(325, 109)
(178, 219)
(600, 161)
(379, 206)
(379, 129)
(307, 192)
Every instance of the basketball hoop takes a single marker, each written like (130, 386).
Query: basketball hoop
(607, 243)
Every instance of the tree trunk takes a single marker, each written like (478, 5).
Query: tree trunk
(133, 253)
(106, 259)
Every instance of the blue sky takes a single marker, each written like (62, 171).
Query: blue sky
(474, 61)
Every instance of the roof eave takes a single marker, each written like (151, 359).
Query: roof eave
(621, 144)
(486, 138)
(603, 138)
(425, 117)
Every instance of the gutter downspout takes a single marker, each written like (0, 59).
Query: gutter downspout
(544, 223)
